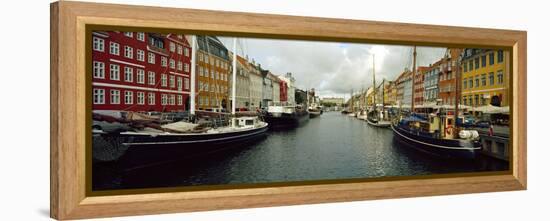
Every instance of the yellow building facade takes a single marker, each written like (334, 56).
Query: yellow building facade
(213, 73)
(485, 77)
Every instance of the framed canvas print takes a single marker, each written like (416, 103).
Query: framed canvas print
(161, 110)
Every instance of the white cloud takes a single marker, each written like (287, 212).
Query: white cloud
(333, 68)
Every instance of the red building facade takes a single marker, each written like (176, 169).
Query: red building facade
(419, 85)
(136, 71)
(283, 87)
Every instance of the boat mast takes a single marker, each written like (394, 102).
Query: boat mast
(373, 84)
(234, 78)
(193, 70)
(412, 79)
(458, 75)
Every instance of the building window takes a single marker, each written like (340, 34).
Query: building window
(483, 60)
(128, 52)
(172, 81)
(140, 76)
(99, 69)
(200, 56)
(172, 47)
(129, 34)
(201, 86)
(186, 83)
(186, 67)
(98, 44)
(164, 80)
(465, 67)
(491, 58)
(140, 55)
(206, 86)
(180, 66)
(141, 98)
(200, 71)
(163, 99)
(172, 99)
(172, 63)
(163, 61)
(180, 84)
(500, 56)
(186, 52)
(115, 97)
(141, 36)
(212, 74)
(151, 98)
(471, 82)
(114, 72)
(471, 65)
(180, 49)
(476, 100)
(99, 96)
(491, 78)
(151, 58)
(128, 74)
(128, 97)
(151, 76)
(483, 79)
(180, 100)
(477, 81)
(477, 62)
(114, 48)
(500, 77)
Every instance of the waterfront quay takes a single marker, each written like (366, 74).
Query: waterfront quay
(332, 146)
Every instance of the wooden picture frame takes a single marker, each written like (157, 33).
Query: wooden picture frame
(69, 100)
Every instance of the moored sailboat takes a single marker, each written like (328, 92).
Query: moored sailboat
(437, 133)
(375, 117)
(150, 144)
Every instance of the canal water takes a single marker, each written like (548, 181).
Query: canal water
(332, 146)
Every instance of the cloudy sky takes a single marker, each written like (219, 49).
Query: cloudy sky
(332, 68)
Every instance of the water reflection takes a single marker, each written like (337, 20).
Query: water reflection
(333, 146)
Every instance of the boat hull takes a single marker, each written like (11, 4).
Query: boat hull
(286, 120)
(139, 151)
(313, 114)
(443, 148)
(382, 124)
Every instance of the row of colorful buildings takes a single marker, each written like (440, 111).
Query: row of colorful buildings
(137, 71)
(484, 79)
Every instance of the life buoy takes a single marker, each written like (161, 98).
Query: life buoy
(449, 129)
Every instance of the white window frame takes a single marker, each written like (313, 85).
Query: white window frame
(180, 99)
(172, 99)
(172, 81)
(163, 99)
(180, 66)
(115, 97)
(128, 97)
(140, 76)
(172, 63)
(99, 69)
(151, 98)
(179, 83)
(186, 83)
(163, 61)
(151, 77)
(186, 52)
(186, 67)
(129, 34)
(140, 98)
(140, 56)
(151, 58)
(114, 72)
(99, 96)
(140, 36)
(164, 80)
(98, 44)
(180, 49)
(172, 46)
(128, 74)
(128, 52)
(114, 48)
